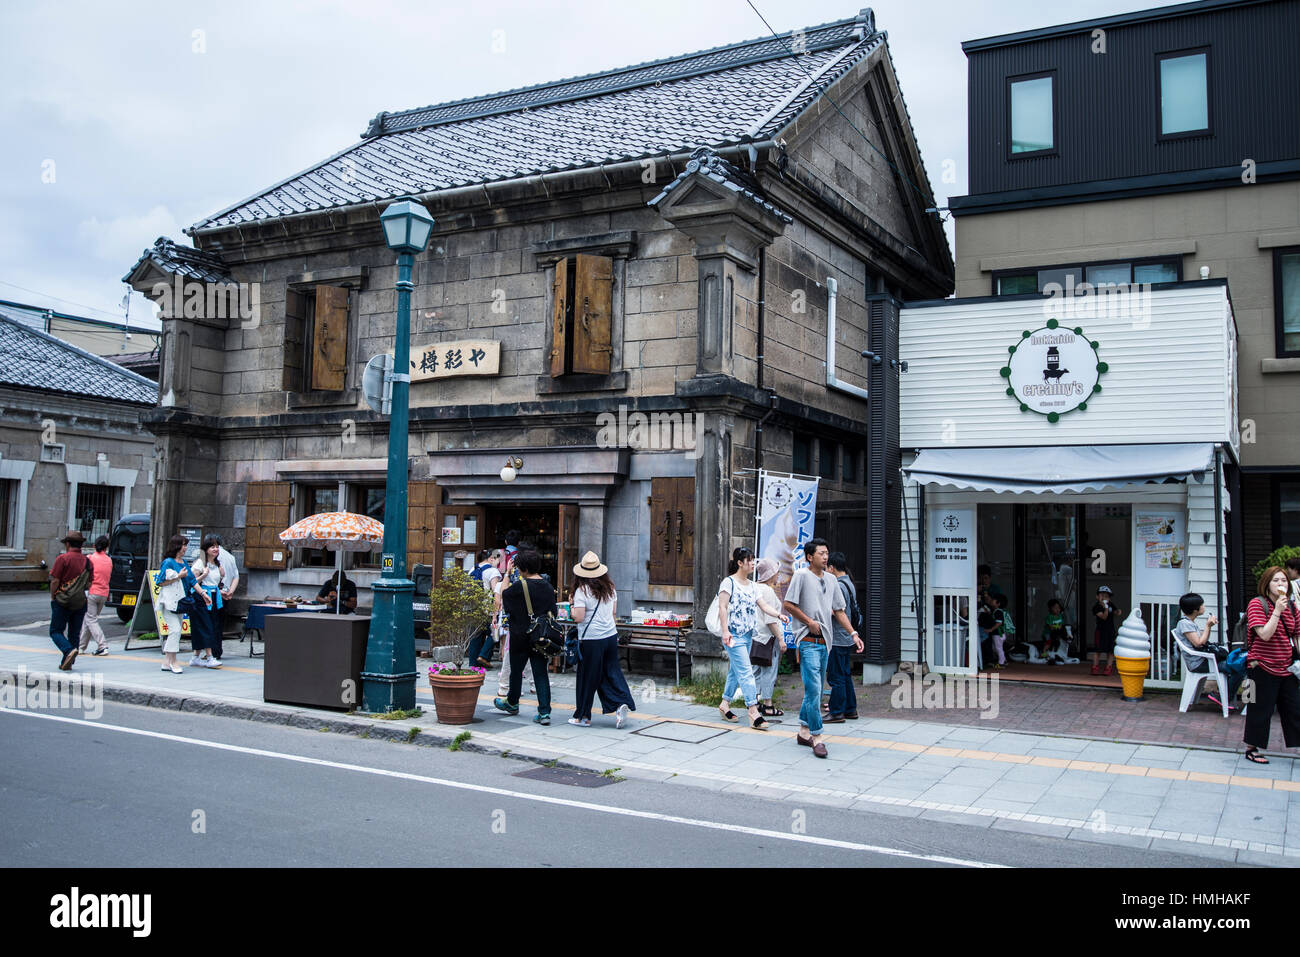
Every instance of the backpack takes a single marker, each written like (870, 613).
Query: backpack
(1008, 626)
(72, 595)
(477, 573)
(851, 605)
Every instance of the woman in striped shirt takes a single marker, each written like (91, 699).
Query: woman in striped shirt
(1273, 627)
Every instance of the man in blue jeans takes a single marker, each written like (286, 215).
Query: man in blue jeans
(67, 569)
(813, 600)
(845, 641)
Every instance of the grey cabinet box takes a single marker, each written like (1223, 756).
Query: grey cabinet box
(310, 656)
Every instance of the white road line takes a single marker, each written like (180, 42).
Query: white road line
(520, 795)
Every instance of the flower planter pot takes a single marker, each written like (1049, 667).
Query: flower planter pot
(455, 697)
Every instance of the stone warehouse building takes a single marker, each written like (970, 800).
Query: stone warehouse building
(73, 451)
(656, 239)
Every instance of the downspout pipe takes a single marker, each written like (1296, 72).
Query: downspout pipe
(762, 299)
(1218, 532)
(832, 382)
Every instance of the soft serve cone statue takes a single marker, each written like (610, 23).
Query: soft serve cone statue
(1133, 654)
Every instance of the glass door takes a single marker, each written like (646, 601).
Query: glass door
(1051, 568)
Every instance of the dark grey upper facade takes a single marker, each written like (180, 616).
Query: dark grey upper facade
(1106, 90)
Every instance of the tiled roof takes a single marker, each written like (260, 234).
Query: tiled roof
(31, 359)
(709, 164)
(734, 94)
(184, 261)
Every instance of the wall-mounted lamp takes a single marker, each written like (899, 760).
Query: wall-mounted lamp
(900, 365)
(1205, 272)
(511, 468)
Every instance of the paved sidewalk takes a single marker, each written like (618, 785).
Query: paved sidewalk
(1178, 798)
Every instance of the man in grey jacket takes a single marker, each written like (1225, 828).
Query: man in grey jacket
(844, 641)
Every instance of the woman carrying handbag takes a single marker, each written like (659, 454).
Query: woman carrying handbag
(174, 580)
(1272, 632)
(594, 602)
(739, 605)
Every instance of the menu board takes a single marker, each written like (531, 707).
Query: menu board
(1160, 542)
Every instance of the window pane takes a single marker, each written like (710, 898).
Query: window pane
(1288, 494)
(850, 465)
(1289, 307)
(323, 500)
(1031, 115)
(1155, 272)
(826, 464)
(802, 459)
(1059, 276)
(1017, 285)
(1113, 273)
(1184, 100)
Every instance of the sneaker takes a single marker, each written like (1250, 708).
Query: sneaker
(580, 722)
(212, 662)
(501, 704)
(68, 659)
(541, 719)
(620, 716)
(196, 662)
(1218, 703)
(101, 651)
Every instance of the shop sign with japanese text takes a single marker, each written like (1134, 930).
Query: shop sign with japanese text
(445, 360)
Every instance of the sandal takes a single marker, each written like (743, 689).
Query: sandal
(770, 711)
(758, 724)
(1252, 754)
(727, 715)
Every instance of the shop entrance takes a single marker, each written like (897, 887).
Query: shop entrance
(552, 529)
(1046, 551)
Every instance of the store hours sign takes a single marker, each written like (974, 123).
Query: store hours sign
(1053, 370)
(952, 548)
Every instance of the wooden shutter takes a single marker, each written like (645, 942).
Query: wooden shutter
(684, 531)
(592, 309)
(567, 550)
(295, 325)
(266, 516)
(672, 531)
(558, 314)
(329, 339)
(422, 501)
(663, 497)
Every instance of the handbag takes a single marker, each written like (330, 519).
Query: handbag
(545, 636)
(760, 653)
(573, 644)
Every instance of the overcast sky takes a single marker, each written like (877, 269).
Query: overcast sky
(131, 120)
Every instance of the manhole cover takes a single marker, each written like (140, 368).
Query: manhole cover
(577, 779)
(686, 733)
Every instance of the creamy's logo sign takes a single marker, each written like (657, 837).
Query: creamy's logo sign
(1054, 370)
(778, 494)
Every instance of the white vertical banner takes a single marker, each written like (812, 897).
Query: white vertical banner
(787, 510)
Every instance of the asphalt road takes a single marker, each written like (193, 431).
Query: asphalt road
(143, 787)
(30, 611)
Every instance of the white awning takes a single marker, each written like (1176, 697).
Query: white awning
(1065, 468)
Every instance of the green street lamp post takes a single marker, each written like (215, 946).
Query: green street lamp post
(388, 681)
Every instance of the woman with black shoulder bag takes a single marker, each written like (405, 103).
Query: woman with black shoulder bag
(1272, 631)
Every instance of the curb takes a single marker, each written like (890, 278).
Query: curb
(358, 724)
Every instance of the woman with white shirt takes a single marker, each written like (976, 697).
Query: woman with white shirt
(770, 630)
(205, 624)
(739, 607)
(594, 604)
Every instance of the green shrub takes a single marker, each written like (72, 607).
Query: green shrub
(1278, 557)
(458, 607)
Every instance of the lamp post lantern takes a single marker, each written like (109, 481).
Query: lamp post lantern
(388, 681)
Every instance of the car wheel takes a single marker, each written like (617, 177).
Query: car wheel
(124, 614)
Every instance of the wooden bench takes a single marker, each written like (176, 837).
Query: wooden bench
(653, 638)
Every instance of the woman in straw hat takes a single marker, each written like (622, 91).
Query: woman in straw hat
(594, 605)
(770, 632)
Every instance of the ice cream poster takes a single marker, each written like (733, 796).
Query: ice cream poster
(787, 510)
(1160, 540)
(1159, 534)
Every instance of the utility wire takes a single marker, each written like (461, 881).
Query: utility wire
(70, 302)
(926, 199)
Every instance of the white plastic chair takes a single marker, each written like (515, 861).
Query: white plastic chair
(1192, 679)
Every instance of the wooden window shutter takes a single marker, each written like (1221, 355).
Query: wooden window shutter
(684, 531)
(295, 326)
(567, 549)
(558, 315)
(593, 304)
(422, 501)
(329, 339)
(266, 516)
(663, 561)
